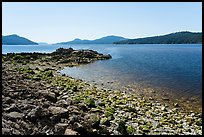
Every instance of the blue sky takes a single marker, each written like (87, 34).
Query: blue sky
(64, 21)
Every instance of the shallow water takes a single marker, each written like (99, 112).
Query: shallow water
(174, 68)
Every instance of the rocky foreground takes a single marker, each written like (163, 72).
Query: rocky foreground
(37, 100)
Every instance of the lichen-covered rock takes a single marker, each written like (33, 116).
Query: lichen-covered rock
(15, 115)
(69, 131)
(6, 131)
(63, 103)
(92, 120)
(58, 111)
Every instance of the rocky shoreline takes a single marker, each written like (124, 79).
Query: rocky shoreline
(37, 100)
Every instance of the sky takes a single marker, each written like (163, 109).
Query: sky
(54, 22)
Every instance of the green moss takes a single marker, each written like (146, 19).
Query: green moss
(48, 74)
(109, 111)
(26, 70)
(36, 78)
(46, 69)
(77, 99)
(43, 75)
(90, 102)
(105, 121)
(199, 122)
(180, 125)
(27, 77)
(144, 128)
(130, 130)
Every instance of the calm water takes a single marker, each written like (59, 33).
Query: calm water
(175, 68)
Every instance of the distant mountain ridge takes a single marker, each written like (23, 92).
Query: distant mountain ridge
(76, 41)
(183, 37)
(16, 40)
(104, 40)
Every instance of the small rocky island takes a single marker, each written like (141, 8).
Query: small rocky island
(37, 100)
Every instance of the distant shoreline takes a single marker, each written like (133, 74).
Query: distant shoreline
(112, 44)
(182, 37)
